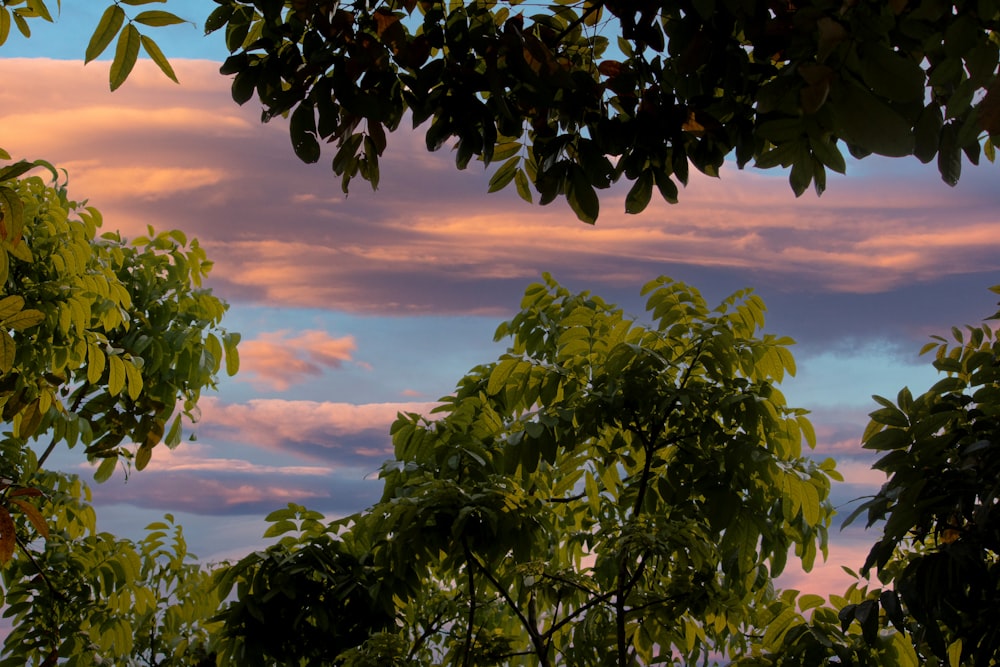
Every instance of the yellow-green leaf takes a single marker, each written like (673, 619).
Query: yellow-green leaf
(4, 26)
(104, 470)
(150, 47)
(10, 305)
(126, 53)
(95, 363)
(142, 457)
(157, 17)
(24, 319)
(134, 378)
(109, 25)
(39, 8)
(116, 375)
(230, 342)
(13, 214)
(7, 350)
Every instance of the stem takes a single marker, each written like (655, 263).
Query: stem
(73, 408)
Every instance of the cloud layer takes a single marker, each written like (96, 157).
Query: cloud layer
(431, 240)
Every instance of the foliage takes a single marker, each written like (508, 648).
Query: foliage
(119, 332)
(604, 492)
(104, 344)
(940, 543)
(584, 93)
(114, 22)
(83, 597)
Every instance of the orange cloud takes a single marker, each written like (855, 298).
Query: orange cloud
(280, 359)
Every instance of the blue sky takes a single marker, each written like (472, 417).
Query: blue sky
(352, 308)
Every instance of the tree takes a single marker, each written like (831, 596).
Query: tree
(585, 93)
(940, 544)
(606, 492)
(104, 344)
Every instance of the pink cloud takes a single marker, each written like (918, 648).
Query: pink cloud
(273, 423)
(193, 458)
(279, 359)
(432, 238)
(828, 576)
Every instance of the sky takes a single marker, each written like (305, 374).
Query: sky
(353, 308)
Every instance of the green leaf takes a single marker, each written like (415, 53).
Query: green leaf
(865, 121)
(827, 152)
(126, 53)
(778, 628)
(523, 187)
(106, 469)
(505, 174)
(173, 437)
(230, 342)
(950, 155)
(22, 25)
(158, 18)
(142, 457)
(14, 170)
(218, 18)
(640, 193)
(802, 170)
(154, 52)
(109, 25)
(582, 197)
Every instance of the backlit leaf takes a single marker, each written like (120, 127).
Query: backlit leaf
(109, 25)
(126, 53)
(154, 52)
(116, 375)
(36, 518)
(158, 18)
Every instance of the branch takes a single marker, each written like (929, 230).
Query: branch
(566, 500)
(583, 17)
(472, 604)
(41, 573)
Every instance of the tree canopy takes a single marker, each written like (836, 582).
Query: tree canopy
(567, 98)
(605, 493)
(105, 344)
(572, 96)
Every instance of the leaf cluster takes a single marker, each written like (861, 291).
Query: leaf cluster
(940, 541)
(581, 94)
(84, 597)
(114, 23)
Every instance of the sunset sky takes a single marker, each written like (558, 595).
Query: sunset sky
(353, 308)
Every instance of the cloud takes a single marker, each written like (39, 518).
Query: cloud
(191, 479)
(352, 435)
(431, 240)
(279, 359)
